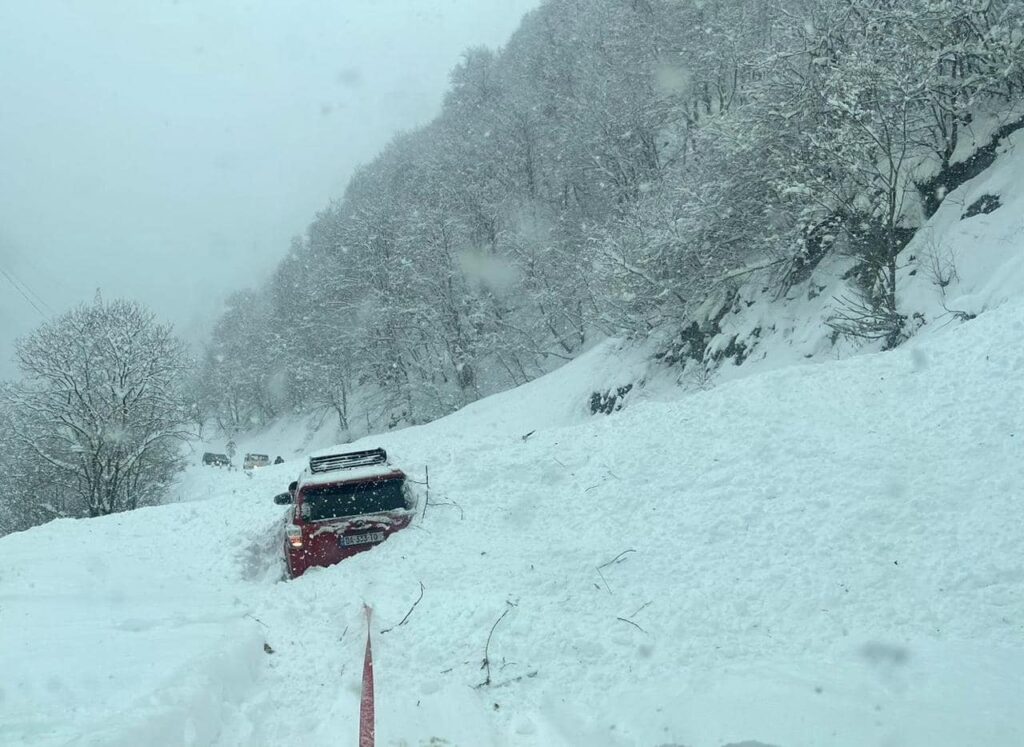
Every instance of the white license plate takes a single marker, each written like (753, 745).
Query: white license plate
(347, 540)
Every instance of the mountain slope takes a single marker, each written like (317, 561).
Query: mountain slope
(810, 555)
(818, 555)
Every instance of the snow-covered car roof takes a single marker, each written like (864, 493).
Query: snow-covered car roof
(347, 467)
(354, 474)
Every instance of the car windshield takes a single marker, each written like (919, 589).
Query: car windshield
(354, 499)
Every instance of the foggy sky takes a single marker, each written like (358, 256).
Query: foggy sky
(167, 150)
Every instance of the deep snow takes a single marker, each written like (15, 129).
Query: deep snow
(980, 259)
(823, 555)
(818, 555)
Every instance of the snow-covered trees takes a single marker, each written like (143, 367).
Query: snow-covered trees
(240, 380)
(846, 122)
(607, 171)
(860, 101)
(99, 413)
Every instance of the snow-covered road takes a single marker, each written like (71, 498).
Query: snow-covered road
(824, 555)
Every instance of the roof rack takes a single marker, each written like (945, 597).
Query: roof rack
(348, 460)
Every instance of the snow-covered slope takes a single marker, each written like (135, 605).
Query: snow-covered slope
(822, 555)
(958, 265)
(805, 555)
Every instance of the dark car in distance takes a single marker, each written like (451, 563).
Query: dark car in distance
(210, 459)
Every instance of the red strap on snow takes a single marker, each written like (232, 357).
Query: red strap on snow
(366, 725)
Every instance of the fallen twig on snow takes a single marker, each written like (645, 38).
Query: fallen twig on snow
(520, 678)
(486, 664)
(426, 497)
(630, 620)
(643, 606)
(462, 513)
(627, 620)
(428, 502)
(407, 614)
(617, 559)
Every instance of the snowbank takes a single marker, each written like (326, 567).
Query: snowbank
(824, 555)
(957, 266)
(812, 556)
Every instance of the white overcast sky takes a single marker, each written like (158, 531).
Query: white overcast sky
(167, 150)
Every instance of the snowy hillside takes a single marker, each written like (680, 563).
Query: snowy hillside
(960, 264)
(804, 556)
(956, 267)
(823, 555)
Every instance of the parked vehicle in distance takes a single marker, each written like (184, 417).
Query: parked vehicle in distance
(343, 504)
(211, 459)
(252, 461)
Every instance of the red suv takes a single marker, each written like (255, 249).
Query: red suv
(343, 504)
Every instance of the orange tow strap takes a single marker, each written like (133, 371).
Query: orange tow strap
(366, 721)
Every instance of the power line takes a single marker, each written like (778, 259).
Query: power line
(37, 270)
(50, 277)
(24, 291)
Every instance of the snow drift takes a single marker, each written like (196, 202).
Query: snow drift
(815, 555)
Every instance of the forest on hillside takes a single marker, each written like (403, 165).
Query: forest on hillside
(617, 169)
(616, 164)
